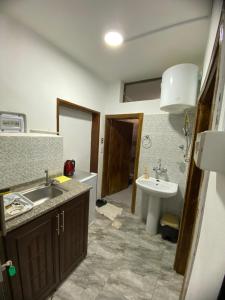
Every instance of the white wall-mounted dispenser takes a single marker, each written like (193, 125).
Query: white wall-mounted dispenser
(209, 151)
(179, 88)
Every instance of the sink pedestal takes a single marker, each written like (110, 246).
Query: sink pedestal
(154, 205)
(153, 190)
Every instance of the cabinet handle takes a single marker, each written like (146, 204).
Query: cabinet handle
(62, 226)
(57, 228)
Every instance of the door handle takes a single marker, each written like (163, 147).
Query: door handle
(57, 226)
(62, 225)
(11, 270)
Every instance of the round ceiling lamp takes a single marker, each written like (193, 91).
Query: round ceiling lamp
(113, 38)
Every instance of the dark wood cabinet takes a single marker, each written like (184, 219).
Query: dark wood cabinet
(47, 249)
(73, 237)
(34, 250)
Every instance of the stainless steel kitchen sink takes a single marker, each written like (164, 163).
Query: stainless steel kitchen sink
(41, 194)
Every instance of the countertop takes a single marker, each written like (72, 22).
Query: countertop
(80, 175)
(72, 189)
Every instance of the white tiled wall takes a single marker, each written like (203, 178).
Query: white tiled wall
(24, 157)
(166, 133)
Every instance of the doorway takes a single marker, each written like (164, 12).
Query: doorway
(208, 109)
(121, 155)
(75, 127)
(94, 117)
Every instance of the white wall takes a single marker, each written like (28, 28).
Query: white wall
(209, 263)
(215, 18)
(75, 127)
(33, 73)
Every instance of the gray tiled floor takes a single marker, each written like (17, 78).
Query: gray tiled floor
(123, 264)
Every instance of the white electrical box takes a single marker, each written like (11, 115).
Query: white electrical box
(12, 122)
(210, 151)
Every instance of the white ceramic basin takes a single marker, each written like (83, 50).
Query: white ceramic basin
(153, 190)
(157, 187)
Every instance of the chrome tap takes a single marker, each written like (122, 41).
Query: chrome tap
(158, 169)
(48, 181)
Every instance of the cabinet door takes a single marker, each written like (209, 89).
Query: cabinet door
(4, 280)
(34, 250)
(74, 233)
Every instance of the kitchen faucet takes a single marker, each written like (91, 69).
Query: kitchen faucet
(48, 181)
(158, 169)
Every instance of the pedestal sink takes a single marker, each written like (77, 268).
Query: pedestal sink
(154, 189)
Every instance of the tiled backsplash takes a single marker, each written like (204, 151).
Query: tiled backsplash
(24, 157)
(166, 134)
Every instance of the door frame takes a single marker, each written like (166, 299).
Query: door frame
(108, 118)
(95, 129)
(206, 109)
(218, 60)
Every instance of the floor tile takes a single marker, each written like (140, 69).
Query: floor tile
(123, 264)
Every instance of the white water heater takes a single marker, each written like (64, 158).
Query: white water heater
(179, 88)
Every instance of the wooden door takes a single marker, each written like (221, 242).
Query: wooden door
(74, 233)
(34, 250)
(120, 145)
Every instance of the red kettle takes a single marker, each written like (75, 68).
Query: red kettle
(69, 167)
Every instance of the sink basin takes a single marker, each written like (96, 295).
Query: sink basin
(39, 195)
(153, 190)
(157, 187)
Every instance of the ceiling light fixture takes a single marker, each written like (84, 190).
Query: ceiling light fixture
(113, 38)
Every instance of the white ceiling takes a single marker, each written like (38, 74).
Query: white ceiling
(77, 27)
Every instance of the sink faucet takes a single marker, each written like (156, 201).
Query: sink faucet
(48, 181)
(158, 169)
